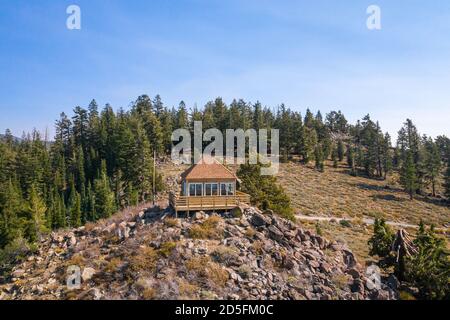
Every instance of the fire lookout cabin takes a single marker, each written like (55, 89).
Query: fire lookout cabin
(208, 186)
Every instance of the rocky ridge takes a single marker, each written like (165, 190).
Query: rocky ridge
(246, 254)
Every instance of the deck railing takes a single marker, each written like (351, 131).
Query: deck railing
(184, 203)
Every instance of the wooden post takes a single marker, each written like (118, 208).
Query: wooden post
(187, 203)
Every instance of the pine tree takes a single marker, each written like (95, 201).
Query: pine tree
(167, 125)
(58, 220)
(409, 142)
(340, 150)
(432, 163)
(307, 144)
(381, 242)
(318, 155)
(158, 105)
(11, 206)
(63, 221)
(90, 204)
(264, 190)
(334, 157)
(154, 132)
(408, 177)
(309, 119)
(104, 197)
(182, 120)
(75, 211)
(36, 209)
(429, 269)
(447, 182)
(386, 156)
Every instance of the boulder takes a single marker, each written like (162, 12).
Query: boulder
(110, 228)
(258, 220)
(88, 273)
(354, 273)
(199, 215)
(358, 286)
(288, 263)
(234, 296)
(302, 236)
(18, 273)
(349, 258)
(393, 282)
(275, 233)
(268, 212)
(72, 241)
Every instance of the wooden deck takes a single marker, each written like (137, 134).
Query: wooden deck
(207, 203)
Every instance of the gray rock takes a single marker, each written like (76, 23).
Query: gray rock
(393, 282)
(354, 273)
(275, 233)
(349, 258)
(88, 273)
(110, 228)
(358, 286)
(18, 273)
(200, 215)
(258, 220)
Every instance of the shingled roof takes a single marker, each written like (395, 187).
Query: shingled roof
(210, 169)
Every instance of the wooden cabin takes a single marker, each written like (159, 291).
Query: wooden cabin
(208, 186)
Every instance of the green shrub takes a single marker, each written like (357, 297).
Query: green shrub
(319, 229)
(225, 255)
(381, 242)
(345, 223)
(170, 222)
(429, 269)
(14, 253)
(236, 212)
(209, 229)
(245, 271)
(144, 260)
(264, 190)
(166, 249)
(205, 269)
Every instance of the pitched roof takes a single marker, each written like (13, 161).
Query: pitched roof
(208, 169)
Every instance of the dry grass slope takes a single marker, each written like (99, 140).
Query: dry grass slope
(336, 193)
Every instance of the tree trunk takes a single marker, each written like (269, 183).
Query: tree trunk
(404, 247)
(434, 188)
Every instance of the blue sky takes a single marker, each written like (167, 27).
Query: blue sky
(316, 54)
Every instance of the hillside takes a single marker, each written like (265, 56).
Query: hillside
(335, 193)
(144, 254)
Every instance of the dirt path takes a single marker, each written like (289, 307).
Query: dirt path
(368, 221)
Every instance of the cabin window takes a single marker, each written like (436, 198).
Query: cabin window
(211, 189)
(227, 189)
(195, 189)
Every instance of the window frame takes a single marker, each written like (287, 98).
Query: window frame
(226, 184)
(195, 185)
(211, 184)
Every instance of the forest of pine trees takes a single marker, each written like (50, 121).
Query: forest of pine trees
(102, 160)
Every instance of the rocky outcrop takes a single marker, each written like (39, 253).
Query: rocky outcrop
(149, 255)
